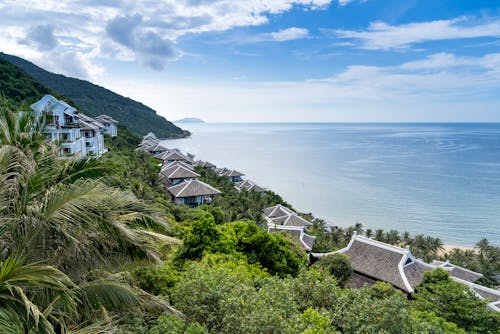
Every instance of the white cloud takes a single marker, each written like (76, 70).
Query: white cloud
(383, 36)
(289, 34)
(359, 93)
(81, 26)
(345, 2)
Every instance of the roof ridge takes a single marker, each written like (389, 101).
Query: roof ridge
(184, 188)
(446, 263)
(381, 244)
(169, 175)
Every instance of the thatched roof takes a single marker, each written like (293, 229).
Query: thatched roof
(380, 261)
(172, 156)
(106, 118)
(459, 272)
(88, 123)
(291, 220)
(176, 164)
(204, 164)
(305, 240)
(249, 186)
(277, 211)
(179, 172)
(192, 188)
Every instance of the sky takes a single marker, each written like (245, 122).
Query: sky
(274, 60)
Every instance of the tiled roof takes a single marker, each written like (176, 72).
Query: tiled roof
(175, 164)
(179, 172)
(291, 220)
(297, 232)
(249, 186)
(459, 272)
(382, 263)
(277, 211)
(397, 266)
(192, 188)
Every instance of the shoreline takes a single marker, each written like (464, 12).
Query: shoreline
(447, 248)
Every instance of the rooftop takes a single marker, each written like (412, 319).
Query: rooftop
(192, 188)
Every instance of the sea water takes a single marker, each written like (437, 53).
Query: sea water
(441, 180)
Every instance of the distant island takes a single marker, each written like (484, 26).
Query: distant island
(190, 120)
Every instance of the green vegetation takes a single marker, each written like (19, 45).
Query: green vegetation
(94, 100)
(337, 265)
(92, 246)
(18, 86)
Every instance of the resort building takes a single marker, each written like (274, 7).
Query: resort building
(298, 233)
(204, 164)
(178, 173)
(193, 193)
(91, 131)
(78, 134)
(176, 163)
(110, 125)
(233, 176)
(282, 219)
(172, 156)
(374, 261)
(281, 215)
(249, 186)
(61, 125)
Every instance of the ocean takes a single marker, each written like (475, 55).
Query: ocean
(441, 180)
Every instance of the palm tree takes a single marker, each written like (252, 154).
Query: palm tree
(20, 283)
(358, 227)
(64, 213)
(369, 232)
(483, 245)
(406, 238)
(392, 237)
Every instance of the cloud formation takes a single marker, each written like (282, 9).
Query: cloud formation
(403, 91)
(42, 37)
(289, 34)
(149, 47)
(383, 36)
(145, 31)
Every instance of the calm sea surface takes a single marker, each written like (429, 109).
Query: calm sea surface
(437, 179)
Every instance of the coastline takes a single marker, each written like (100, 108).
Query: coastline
(447, 248)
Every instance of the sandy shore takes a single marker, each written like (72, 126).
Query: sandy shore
(448, 248)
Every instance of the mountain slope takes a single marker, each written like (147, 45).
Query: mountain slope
(95, 100)
(18, 87)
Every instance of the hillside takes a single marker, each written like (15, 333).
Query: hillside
(95, 100)
(18, 86)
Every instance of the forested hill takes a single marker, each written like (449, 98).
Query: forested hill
(19, 87)
(95, 100)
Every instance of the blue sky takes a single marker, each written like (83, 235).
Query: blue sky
(274, 60)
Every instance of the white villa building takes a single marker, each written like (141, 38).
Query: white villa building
(110, 125)
(78, 134)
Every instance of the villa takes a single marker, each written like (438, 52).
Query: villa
(233, 176)
(373, 261)
(249, 186)
(91, 130)
(78, 134)
(178, 173)
(172, 156)
(205, 164)
(282, 219)
(61, 125)
(281, 215)
(193, 193)
(110, 125)
(298, 233)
